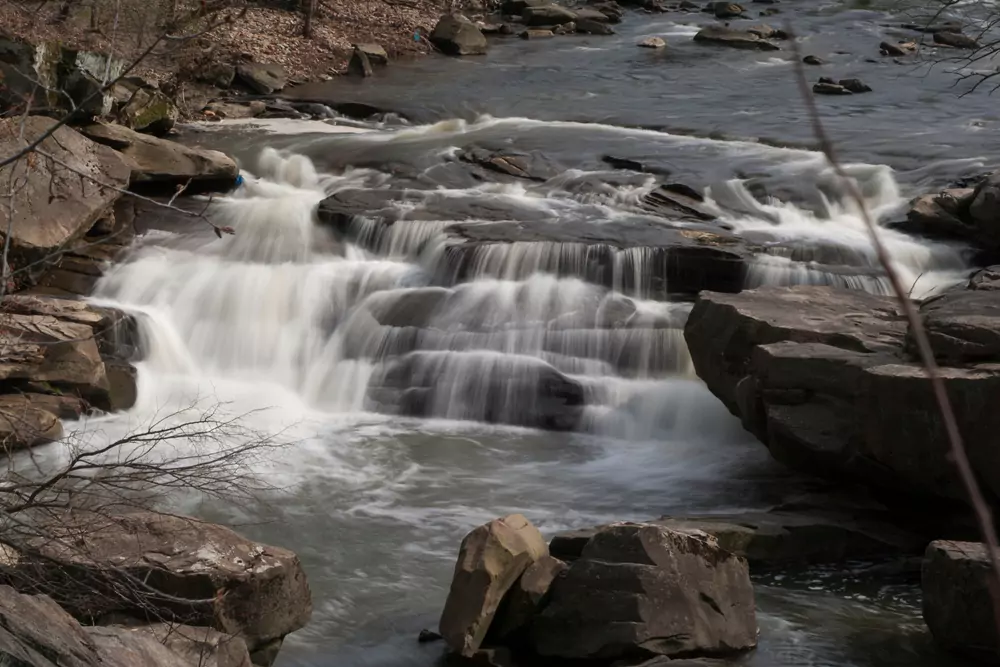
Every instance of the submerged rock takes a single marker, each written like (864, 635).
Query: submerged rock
(738, 39)
(456, 35)
(958, 599)
(491, 559)
(160, 162)
(645, 590)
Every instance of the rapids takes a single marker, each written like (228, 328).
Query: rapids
(427, 380)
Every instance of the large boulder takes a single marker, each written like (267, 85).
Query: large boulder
(827, 380)
(959, 590)
(172, 644)
(60, 199)
(646, 590)
(157, 161)
(737, 39)
(526, 598)
(252, 591)
(984, 211)
(263, 78)
(547, 15)
(456, 35)
(149, 110)
(966, 213)
(491, 559)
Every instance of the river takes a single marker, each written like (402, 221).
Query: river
(322, 340)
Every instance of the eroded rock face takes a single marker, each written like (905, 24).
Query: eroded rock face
(158, 161)
(456, 35)
(491, 559)
(645, 590)
(257, 592)
(958, 606)
(181, 644)
(56, 206)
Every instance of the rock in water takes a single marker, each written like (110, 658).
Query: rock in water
(265, 79)
(547, 15)
(591, 27)
(958, 606)
(726, 10)
(813, 60)
(653, 43)
(737, 39)
(955, 40)
(897, 50)
(456, 35)
(537, 34)
(642, 589)
(490, 560)
(375, 52)
(984, 211)
(826, 88)
(266, 593)
(158, 161)
(855, 85)
(359, 65)
(55, 205)
(527, 597)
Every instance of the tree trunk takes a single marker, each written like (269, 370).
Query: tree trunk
(310, 9)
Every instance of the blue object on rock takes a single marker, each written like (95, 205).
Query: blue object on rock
(239, 180)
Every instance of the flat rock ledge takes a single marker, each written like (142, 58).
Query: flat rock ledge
(826, 379)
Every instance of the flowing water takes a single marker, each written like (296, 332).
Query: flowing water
(429, 380)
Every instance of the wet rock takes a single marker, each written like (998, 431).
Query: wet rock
(653, 43)
(526, 598)
(855, 85)
(957, 601)
(986, 279)
(825, 88)
(611, 10)
(266, 594)
(262, 78)
(149, 110)
(219, 74)
(516, 7)
(491, 559)
(375, 53)
(427, 636)
(547, 15)
(537, 34)
(964, 326)
(359, 65)
(646, 590)
(944, 215)
(725, 10)
(156, 161)
(55, 206)
(565, 28)
(780, 537)
(456, 35)
(897, 50)
(530, 166)
(955, 40)
(984, 211)
(823, 377)
(737, 39)
(765, 31)
(590, 27)
(813, 60)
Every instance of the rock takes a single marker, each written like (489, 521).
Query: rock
(234, 110)
(266, 594)
(738, 39)
(813, 60)
(530, 166)
(944, 215)
(591, 27)
(547, 15)
(375, 52)
(984, 211)
(515, 7)
(779, 537)
(590, 14)
(565, 28)
(765, 31)
(427, 636)
(611, 9)
(218, 74)
(55, 206)
(490, 560)
(359, 64)
(986, 279)
(957, 601)
(855, 85)
(963, 326)
(642, 589)
(24, 424)
(526, 598)
(933, 24)
(149, 110)
(955, 40)
(166, 163)
(37, 633)
(678, 201)
(725, 10)
(897, 50)
(456, 35)
(537, 34)
(824, 88)
(824, 378)
(653, 43)
(262, 78)
(191, 646)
